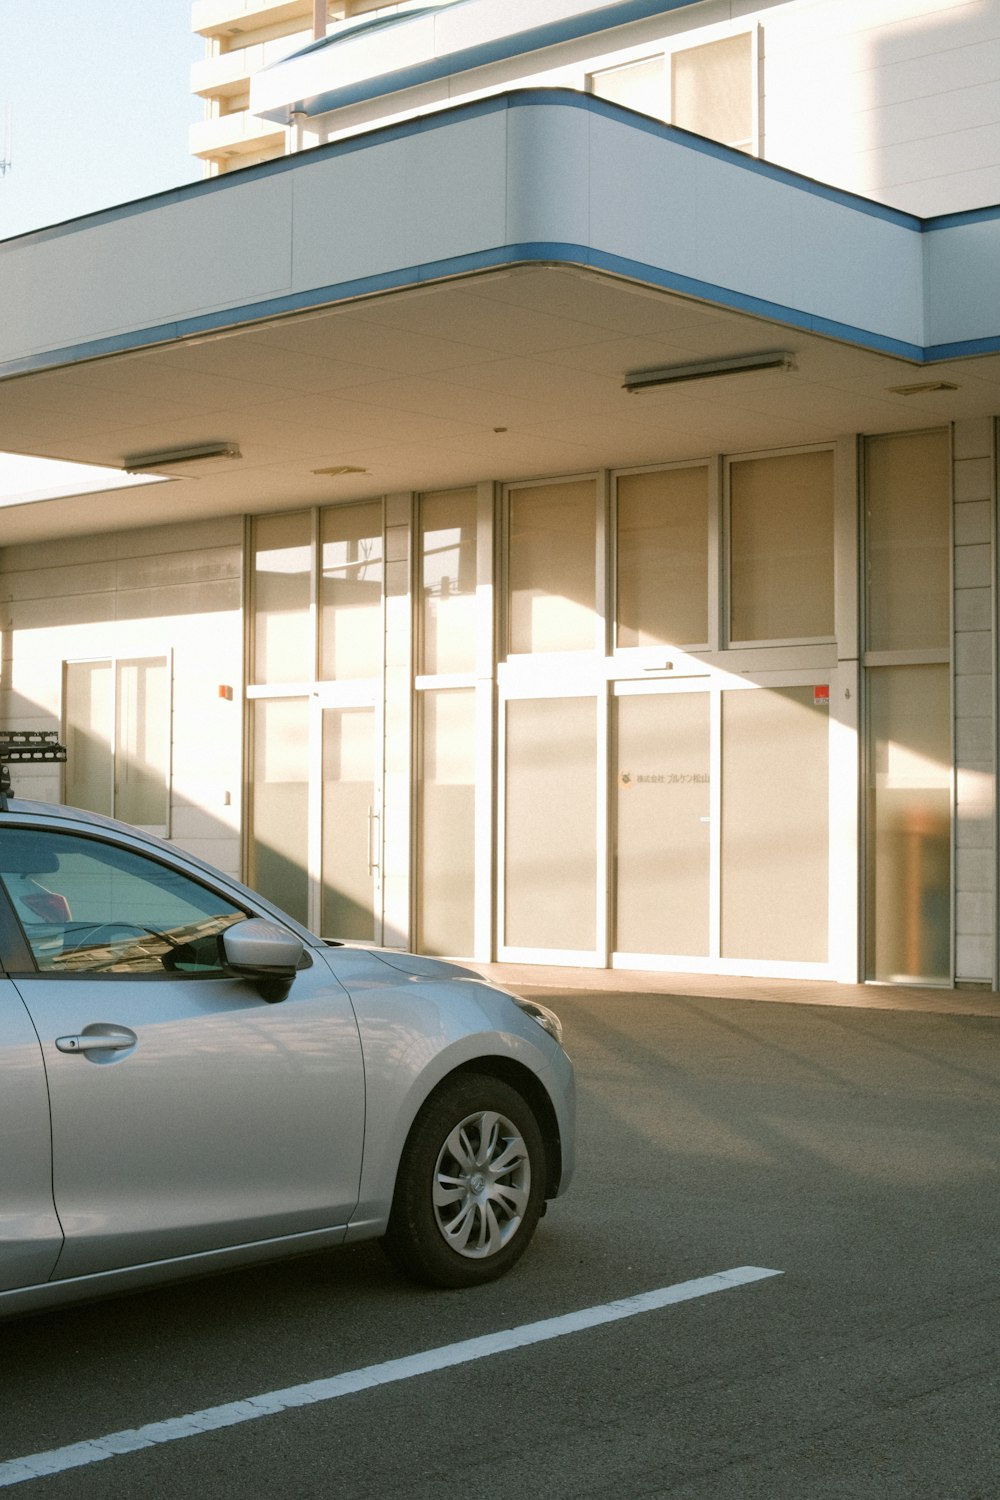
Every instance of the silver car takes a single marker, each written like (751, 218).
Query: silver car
(191, 1080)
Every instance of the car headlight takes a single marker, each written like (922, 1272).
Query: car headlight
(547, 1019)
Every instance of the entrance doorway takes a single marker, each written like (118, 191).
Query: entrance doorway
(316, 811)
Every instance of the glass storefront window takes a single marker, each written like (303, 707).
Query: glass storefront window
(350, 825)
(282, 583)
(142, 741)
(117, 725)
(446, 822)
(775, 824)
(909, 520)
(550, 879)
(637, 85)
(781, 548)
(712, 90)
(447, 523)
(662, 557)
(279, 821)
(351, 583)
(909, 824)
(663, 832)
(553, 567)
(88, 713)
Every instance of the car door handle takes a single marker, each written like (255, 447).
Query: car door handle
(110, 1039)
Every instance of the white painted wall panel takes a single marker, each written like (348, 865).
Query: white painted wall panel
(889, 98)
(928, 118)
(869, 269)
(397, 204)
(869, 95)
(947, 72)
(721, 223)
(974, 663)
(960, 270)
(549, 194)
(144, 593)
(467, 184)
(152, 265)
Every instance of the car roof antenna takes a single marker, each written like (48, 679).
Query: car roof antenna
(25, 744)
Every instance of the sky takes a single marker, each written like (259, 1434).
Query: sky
(99, 94)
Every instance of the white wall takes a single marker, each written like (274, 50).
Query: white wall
(895, 99)
(139, 593)
(975, 706)
(898, 100)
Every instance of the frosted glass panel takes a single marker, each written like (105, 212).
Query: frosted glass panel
(117, 717)
(142, 749)
(349, 827)
(909, 513)
(446, 823)
(448, 582)
(279, 817)
(550, 880)
(909, 825)
(663, 558)
(663, 832)
(640, 85)
(89, 716)
(283, 645)
(712, 90)
(553, 567)
(775, 824)
(781, 547)
(351, 592)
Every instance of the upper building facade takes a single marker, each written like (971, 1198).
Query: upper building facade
(580, 542)
(242, 37)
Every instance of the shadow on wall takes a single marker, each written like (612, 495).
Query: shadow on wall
(929, 140)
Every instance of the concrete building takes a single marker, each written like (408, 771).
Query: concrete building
(242, 37)
(579, 539)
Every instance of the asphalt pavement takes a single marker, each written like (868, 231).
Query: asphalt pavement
(852, 1148)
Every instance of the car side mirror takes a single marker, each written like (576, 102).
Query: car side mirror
(264, 952)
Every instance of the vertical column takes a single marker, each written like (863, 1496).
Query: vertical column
(975, 742)
(487, 552)
(397, 714)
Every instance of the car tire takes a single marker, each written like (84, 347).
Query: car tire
(470, 1186)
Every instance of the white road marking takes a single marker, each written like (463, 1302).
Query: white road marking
(93, 1451)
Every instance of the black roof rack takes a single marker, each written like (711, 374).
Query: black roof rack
(25, 744)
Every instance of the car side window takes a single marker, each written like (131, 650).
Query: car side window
(90, 906)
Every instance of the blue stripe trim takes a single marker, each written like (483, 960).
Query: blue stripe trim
(495, 103)
(538, 253)
(702, 146)
(961, 349)
(231, 182)
(962, 218)
(532, 39)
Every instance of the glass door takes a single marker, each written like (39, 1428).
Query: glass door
(662, 825)
(351, 857)
(721, 839)
(551, 896)
(316, 717)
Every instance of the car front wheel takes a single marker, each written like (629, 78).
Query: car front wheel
(470, 1186)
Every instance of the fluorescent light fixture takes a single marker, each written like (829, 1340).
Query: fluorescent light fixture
(743, 364)
(925, 387)
(175, 458)
(25, 479)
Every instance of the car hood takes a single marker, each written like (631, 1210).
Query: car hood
(423, 968)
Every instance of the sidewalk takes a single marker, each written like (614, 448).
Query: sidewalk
(932, 1001)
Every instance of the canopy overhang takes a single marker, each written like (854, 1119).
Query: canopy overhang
(464, 297)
